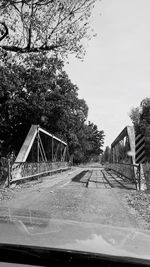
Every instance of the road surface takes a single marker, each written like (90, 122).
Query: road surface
(89, 194)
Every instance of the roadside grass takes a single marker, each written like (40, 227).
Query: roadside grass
(140, 200)
(127, 171)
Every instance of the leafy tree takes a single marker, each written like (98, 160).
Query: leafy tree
(106, 156)
(135, 117)
(38, 91)
(140, 117)
(90, 141)
(45, 25)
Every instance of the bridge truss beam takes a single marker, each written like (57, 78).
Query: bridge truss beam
(42, 153)
(123, 147)
(42, 146)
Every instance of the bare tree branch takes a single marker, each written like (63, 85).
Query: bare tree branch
(38, 25)
(5, 32)
(26, 50)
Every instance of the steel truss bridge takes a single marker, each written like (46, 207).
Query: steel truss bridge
(42, 153)
(123, 147)
(123, 157)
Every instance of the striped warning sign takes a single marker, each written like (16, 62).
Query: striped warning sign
(140, 149)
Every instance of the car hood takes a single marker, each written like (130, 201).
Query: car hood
(28, 227)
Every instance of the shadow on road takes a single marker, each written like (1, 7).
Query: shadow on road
(80, 178)
(104, 179)
(115, 183)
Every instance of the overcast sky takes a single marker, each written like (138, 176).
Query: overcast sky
(115, 73)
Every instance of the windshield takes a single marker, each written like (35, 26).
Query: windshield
(75, 125)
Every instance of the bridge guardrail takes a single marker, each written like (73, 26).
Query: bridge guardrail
(24, 170)
(3, 170)
(130, 171)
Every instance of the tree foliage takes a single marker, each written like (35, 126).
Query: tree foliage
(38, 91)
(90, 142)
(45, 25)
(106, 156)
(140, 117)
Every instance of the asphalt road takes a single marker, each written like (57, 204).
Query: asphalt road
(89, 194)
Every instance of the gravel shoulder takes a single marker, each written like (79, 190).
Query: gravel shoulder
(138, 204)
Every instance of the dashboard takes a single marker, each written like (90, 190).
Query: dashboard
(20, 255)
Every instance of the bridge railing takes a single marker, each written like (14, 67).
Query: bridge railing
(24, 170)
(129, 171)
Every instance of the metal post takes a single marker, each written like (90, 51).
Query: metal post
(9, 172)
(52, 148)
(113, 155)
(143, 185)
(139, 176)
(38, 150)
(61, 152)
(117, 152)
